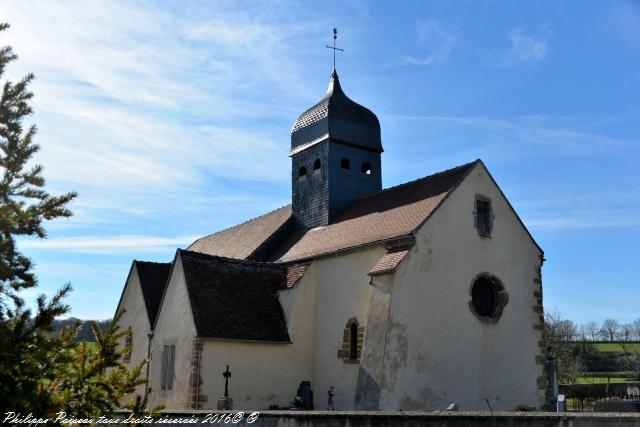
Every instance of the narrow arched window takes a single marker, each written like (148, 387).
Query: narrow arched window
(302, 172)
(366, 168)
(353, 342)
(316, 165)
(345, 164)
(352, 338)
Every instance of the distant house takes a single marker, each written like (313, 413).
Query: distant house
(409, 297)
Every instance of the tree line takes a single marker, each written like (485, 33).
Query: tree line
(572, 345)
(85, 331)
(609, 330)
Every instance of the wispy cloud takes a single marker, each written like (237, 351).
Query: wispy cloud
(433, 44)
(92, 244)
(525, 48)
(530, 131)
(577, 220)
(135, 101)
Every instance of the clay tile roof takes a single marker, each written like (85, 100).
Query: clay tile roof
(234, 299)
(244, 239)
(389, 261)
(295, 272)
(385, 215)
(153, 279)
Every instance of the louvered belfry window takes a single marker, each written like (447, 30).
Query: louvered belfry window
(168, 360)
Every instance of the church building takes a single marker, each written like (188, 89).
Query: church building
(405, 298)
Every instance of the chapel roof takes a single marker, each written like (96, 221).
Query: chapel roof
(242, 240)
(339, 118)
(385, 215)
(153, 279)
(235, 299)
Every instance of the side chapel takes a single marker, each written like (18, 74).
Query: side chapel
(409, 297)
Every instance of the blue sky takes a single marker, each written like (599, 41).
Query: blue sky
(171, 120)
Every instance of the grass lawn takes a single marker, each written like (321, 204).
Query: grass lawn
(613, 346)
(589, 380)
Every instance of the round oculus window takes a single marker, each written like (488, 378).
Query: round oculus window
(484, 297)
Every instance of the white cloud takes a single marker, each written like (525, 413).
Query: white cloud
(530, 131)
(105, 245)
(525, 48)
(136, 104)
(434, 44)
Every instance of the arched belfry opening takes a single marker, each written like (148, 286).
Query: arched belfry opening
(341, 139)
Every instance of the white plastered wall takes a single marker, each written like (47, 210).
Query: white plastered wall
(343, 292)
(264, 374)
(173, 326)
(437, 351)
(135, 317)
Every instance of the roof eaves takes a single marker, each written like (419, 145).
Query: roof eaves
(470, 167)
(124, 288)
(164, 293)
(337, 252)
(511, 207)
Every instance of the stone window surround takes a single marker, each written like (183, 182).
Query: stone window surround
(344, 352)
(483, 198)
(502, 298)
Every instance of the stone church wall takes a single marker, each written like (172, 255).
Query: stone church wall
(408, 419)
(135, 317)
(174, 327)
(438, 351)
(343, 294)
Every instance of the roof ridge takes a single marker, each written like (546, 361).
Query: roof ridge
(416, 180)
(232, 260)
(152, 262)
(240, 224)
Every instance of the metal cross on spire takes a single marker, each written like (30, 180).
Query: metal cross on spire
(335, 36)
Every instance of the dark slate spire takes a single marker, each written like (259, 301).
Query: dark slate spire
(339, 118)
(335, 157)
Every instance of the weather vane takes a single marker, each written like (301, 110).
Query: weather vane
(335, 36)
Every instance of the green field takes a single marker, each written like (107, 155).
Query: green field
(589, 380)
(613, 346)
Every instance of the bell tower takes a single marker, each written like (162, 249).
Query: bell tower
(335, 157)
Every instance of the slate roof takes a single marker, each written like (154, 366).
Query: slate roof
(339, 118)
(235, 300)
(389, 261)
(388, 214)
(153, 279)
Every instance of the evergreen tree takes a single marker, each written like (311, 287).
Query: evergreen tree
(42, 372)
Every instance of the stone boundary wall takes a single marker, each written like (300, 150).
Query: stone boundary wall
(412, 419)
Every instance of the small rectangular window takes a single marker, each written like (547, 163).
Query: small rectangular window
(168, 359)
(483, 217)
(128, 343)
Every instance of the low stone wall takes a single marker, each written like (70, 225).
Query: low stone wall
(404, 419)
